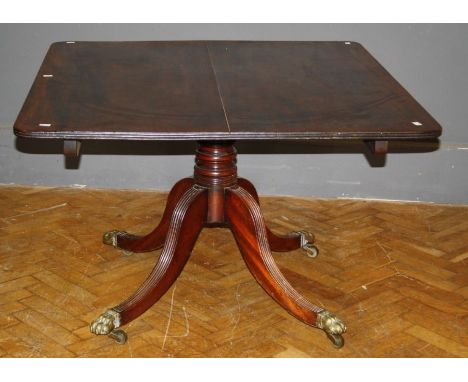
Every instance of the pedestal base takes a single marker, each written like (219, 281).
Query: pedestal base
(214, 197)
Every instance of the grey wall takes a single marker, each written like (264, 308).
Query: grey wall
(431, 61)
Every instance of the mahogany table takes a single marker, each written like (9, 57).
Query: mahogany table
(217, 92)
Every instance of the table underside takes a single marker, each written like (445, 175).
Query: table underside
(218, 90)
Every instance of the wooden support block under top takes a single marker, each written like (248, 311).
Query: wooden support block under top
(71, 148)
(377, 147)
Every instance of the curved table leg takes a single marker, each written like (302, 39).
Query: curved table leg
(155, 239)
(283, 243)
(186, 223)
(246, 221)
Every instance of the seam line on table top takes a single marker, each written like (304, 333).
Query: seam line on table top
(217, 86)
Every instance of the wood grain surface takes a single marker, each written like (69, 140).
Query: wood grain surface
(218, 90)
(396, 273)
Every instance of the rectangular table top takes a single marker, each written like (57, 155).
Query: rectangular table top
(194, 90)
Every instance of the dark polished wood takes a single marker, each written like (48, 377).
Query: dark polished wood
(71, 148)
(215, 196)
(377, 147)
(123, 90)
(330, 90)
(215, 169)
(187, 221)
(247, 224)
(155, 239)
(218, 90)
(278, 243)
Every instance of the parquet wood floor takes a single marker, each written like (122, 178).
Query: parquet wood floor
(396, 273)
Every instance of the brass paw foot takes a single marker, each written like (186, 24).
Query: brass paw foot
(111, 238)
(332, 326)
(307, 239)
(106, 324)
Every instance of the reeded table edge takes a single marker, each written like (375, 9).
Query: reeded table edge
(148, 136)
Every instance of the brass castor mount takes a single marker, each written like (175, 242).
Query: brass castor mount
(107, 324)
(111, 237)
(332, 326)
(307, 239)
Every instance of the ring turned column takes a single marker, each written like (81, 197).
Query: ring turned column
(215, 169)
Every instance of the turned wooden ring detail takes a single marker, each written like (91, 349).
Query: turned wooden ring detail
(215, 164)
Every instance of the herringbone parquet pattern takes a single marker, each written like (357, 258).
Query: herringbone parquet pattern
(395, 273)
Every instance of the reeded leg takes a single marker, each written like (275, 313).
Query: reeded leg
(186, 222)
(246, 221)
(155, 239)
(286, 243)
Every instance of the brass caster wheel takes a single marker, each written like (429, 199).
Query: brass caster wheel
(306, 243)
(336, 339)
(127, 253)
(311, 250)
(119, 336)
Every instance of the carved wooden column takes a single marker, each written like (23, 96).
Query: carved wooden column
(215, 169)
